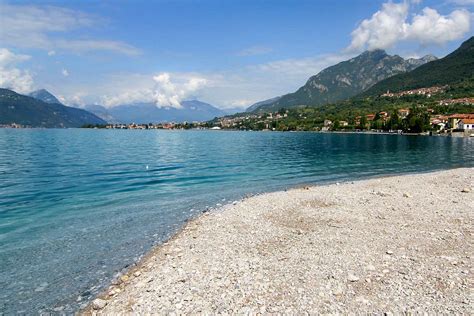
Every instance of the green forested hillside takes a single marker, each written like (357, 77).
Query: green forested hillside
(28, 111)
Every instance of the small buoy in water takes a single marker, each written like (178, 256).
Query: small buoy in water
(146, 167)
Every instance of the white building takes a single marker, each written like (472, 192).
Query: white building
(466, 124)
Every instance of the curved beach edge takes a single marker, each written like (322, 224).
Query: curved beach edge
(397, 243)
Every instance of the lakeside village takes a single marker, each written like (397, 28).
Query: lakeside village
(398, 122)
(418, 111)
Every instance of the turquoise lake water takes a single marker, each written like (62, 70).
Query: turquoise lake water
(78, 206)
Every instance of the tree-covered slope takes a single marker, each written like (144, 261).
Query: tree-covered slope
(455, 67)
(25, 110)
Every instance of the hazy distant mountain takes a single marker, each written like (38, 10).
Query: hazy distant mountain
(101, 112)
(346, 79)
(193, 110)
(26, 110)
(45, 96)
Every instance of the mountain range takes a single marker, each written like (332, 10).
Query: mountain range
(42, 109)
(143, 113)
(29, 111)
(449, 70)
(344, 80)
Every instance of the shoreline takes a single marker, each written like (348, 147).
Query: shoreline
(131, 293)
(364, 132)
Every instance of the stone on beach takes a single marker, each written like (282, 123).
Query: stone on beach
(98, 303)
(352, 278)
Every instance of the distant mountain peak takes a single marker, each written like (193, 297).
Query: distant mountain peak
(374, 54)
(421, 61)
(344, 80)
(429, 58)
(45, 96)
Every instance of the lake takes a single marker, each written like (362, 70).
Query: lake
(77, 206)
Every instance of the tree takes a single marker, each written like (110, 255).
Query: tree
(377, 124)
(363, 122)
(394, 121)
(418, 121)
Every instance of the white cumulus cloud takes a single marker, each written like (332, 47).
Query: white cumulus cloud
(431, 27)
(64, 72)
(12, 77)
(392, 24)
(164, 89)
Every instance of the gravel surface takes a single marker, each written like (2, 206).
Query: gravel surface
(395, 244)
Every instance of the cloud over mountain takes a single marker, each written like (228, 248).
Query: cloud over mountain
(164, 89)
(11, 76)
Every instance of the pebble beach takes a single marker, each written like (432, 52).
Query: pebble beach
(394, 244)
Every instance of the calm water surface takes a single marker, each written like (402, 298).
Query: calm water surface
(78, 206)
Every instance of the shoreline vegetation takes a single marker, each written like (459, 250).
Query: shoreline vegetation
(392, 244)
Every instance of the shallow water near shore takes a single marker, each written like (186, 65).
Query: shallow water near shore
(78, 206)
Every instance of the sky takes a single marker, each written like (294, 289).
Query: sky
(228, 53)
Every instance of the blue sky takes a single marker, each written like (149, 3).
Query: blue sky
(228, 53)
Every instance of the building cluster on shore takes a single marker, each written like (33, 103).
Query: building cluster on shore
(237, 121)
(141, 126)
(166, 125)
(442, 124)
(427, 92)
(465, 101)
(13, 125)
(439, 122)
(382, 121)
